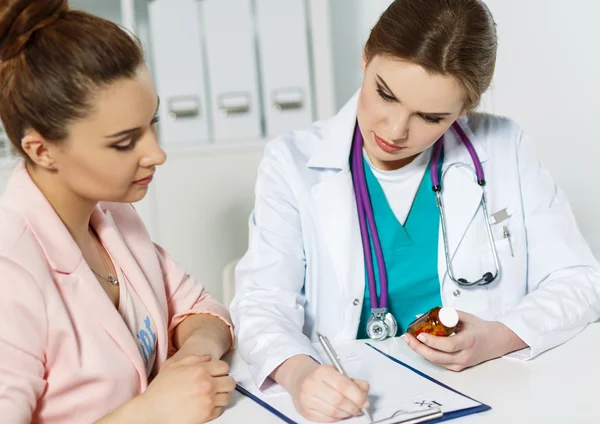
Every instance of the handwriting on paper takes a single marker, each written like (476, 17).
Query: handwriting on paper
(428, 404)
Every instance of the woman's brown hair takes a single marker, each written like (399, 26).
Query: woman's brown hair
(52, 59)
(446, 37)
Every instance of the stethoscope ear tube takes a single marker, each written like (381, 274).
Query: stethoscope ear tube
(488, 277)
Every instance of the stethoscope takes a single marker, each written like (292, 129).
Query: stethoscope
(381, 323)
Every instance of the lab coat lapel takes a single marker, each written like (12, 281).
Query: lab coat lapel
(140, 282)
(337, 218)
(335, 203)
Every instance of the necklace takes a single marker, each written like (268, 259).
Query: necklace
(111, 278)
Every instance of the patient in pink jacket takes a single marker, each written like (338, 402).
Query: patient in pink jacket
(97, 324)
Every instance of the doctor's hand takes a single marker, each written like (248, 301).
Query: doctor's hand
(320, 392)
(475, 341)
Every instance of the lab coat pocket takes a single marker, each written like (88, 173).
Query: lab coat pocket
(509, 287)
(506, 251)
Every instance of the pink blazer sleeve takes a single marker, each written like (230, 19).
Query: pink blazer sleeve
(23, 334)
(187, 296)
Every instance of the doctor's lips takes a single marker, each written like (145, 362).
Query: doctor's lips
(145, 181)
(386, 146)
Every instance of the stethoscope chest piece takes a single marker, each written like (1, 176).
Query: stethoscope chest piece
(381, 324)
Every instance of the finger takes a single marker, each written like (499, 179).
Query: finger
(465, 316)
(344, 385)
(217, 368)
(318, 416)
(362, 385)
(222, 399)
(225, 384)
(443, 344)
(432, 355)
(332, 404)
(216, 413)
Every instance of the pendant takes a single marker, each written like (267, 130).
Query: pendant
(112, 280)
(381, 324)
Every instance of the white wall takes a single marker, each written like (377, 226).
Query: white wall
(351, 23)
(108, 9)
(547, 80)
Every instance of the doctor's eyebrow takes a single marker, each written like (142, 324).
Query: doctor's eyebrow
(391, 94)
(132, 130)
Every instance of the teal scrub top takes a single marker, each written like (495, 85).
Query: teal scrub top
(410, 254)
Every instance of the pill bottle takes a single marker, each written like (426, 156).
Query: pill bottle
(440, 321)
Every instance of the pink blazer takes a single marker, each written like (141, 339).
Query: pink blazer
(66, 355)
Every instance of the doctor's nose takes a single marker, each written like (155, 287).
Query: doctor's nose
(398, 129)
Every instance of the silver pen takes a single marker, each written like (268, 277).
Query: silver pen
(333, 358)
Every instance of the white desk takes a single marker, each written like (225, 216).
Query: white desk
(559, 386)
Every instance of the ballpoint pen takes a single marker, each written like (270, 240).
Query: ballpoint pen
(336, 363)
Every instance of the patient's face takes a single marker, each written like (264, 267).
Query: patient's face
(110, 154)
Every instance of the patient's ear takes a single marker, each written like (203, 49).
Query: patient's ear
(38, 149)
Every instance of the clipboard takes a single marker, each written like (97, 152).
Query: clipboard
(426, 415)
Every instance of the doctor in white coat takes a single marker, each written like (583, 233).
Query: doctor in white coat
(426, 64)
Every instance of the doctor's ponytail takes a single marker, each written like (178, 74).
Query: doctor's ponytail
(52, 59)
(447, 37)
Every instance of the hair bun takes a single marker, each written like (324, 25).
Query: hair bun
(19, 19)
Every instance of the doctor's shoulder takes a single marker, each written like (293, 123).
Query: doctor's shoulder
(291, 151)
(494, 131)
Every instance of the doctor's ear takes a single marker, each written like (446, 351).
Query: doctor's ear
(37, 148)
(363, 61)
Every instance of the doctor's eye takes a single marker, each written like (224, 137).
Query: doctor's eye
(431, 119)
(386, 97)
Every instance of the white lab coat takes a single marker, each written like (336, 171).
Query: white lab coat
(304, 269)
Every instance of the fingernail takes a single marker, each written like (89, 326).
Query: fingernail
(422, 338)
(403, 337)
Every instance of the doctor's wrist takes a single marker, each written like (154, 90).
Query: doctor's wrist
(509, 341)
(293, 370)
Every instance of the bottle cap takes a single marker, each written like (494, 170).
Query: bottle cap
(448, 317)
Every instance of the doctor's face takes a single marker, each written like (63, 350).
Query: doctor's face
(111, 154)
(403, 110)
